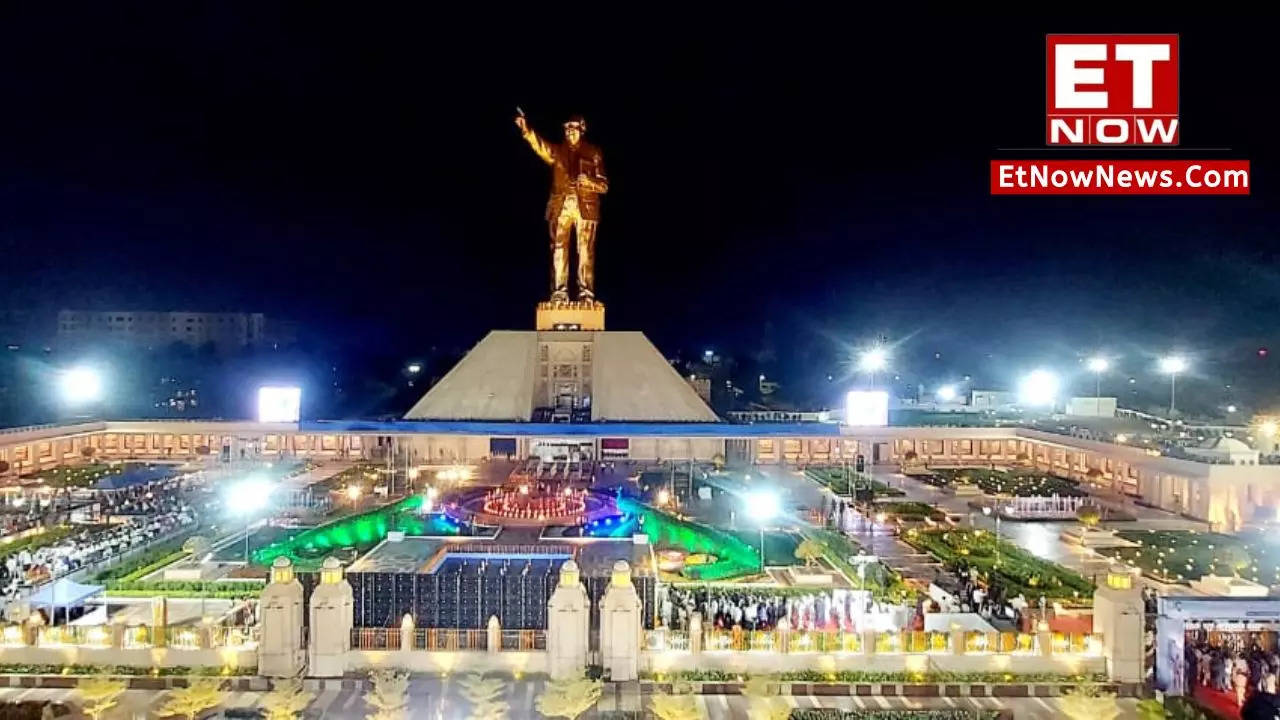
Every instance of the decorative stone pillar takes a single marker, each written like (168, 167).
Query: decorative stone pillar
(620, 626)
(406, 633)
(117, 634)
(868, 642)
(695, 633)
(494, 635)
(1118, 617)
(957, 640)
(568, 615)
(159, 621)
(280, 651)
(1044, 638)
(782, 643)
(332, 616)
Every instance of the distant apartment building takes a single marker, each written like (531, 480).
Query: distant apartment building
(226, 331)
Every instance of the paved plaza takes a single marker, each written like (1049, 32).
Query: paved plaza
(430, 700)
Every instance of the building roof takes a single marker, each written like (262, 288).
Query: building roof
(630, 381)
(593, 429)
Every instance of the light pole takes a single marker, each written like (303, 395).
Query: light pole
(986, 510)
(872, 361)
(246, 498)
(1172, 364)
(763, 506)
(1038, 389)
(1098, 365)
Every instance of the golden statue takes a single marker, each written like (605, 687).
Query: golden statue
(577, 181)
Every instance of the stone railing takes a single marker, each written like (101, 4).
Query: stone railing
(198, 637)
(907, 642)
(446, 639)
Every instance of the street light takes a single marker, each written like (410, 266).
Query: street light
(80, 385)
(873, 360)
(947, 393)
(246, 498)
(1038, 389)
(986, 510)
(1172, 364)
(1098, 365)
(763, 506)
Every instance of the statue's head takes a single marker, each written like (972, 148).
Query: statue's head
(574, 129)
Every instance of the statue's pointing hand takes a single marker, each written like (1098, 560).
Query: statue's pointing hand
(522, 123)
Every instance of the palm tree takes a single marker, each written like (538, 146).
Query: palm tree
(286, 700)
(808, 550)
(569, 698)
(100, 693)
(389, 696)
(199, 695)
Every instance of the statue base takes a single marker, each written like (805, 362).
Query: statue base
(570, 315)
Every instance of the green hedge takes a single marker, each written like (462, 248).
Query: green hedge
(48, 537)
(1019, 572)
(142, 565)
(836, 714)
(864, 676)
(129, 670)
(185, 589)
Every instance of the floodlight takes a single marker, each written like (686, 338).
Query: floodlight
(248, 496)
(1172, 364)
(947, 393)
(875, 359)
(1098, 364)
(763, 505)
(80, 385)
(1039, 388)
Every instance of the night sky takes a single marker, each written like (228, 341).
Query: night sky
(801, 186)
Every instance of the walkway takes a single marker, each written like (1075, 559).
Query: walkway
(429, 700)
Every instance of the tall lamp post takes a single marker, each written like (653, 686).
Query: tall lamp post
(246, 499)
(1098, 365)
(872, 361)
(762, 506)
(986, 510)
(1173, 364)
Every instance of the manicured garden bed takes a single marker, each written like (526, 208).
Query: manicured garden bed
(909, 511)
(942, 714)
(50, 536)
(77, 476)
(1019, 483)
(873, 676)
(883, 582)
(734, 558)
(842, 482)
(1186, 555)
(1015, 569)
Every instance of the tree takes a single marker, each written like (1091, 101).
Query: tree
(99, 694)
(1089, 515)
(762, 702)
(910, 456)
(88, 451)
(808, 550)
(485, 696)
(389, 696)
(286, 700)
(199, 695)
(1151, 709)
(569, 698)
(717, 461)
(1087, 702)
(682, 706)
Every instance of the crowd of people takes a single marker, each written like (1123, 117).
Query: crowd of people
(151, 514)
(829, 610)
(1229, 666)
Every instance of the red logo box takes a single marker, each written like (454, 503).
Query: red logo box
(1112, 90)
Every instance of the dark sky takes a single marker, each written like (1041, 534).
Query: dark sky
(360, 172)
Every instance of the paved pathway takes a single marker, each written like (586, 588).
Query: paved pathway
(429, 702)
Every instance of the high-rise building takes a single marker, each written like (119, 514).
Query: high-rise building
(227, 331)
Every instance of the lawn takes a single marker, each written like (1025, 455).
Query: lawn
(909, 511)
(76, 476)
(838, 480)
(1186, 555)
(1017, 570)
(883, 582)
(308, 547)
(734, 557)
(1019, 483)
